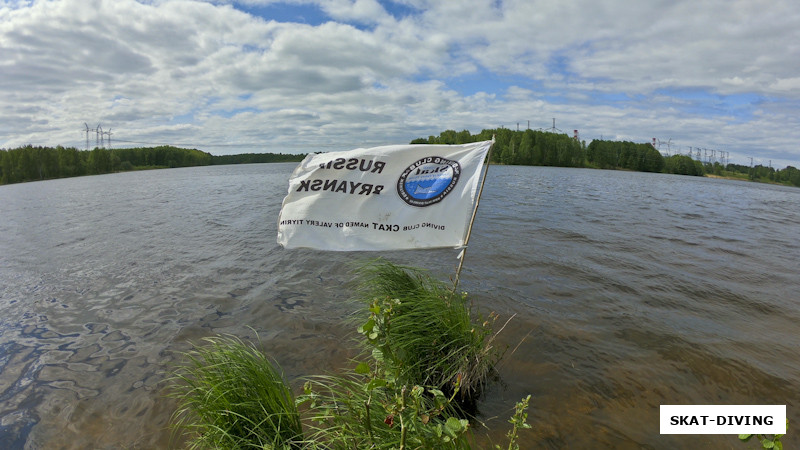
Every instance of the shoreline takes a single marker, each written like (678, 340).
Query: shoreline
(721, 177)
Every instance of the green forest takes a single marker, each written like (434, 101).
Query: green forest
(31, 163)
(528, 147)
(544, 148)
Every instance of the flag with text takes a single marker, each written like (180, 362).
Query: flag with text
(382, 198)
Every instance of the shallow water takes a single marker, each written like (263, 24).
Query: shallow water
(630, 290)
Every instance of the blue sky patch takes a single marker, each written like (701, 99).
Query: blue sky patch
(282, 12)
(489, 82)
(183, 118)
(707, 103)
(398, 10)
(228, 113)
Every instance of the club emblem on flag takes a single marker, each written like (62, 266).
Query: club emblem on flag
(428, 181)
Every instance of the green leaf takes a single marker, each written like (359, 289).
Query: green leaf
(454, 426)
(767, 443)
(373, 335)
(779, 445)
(367, 326)
(362, 368)
(376, 383)
(417, 391)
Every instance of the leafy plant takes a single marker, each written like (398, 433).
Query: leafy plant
(519, 421)
(767, 442)
(364, 410)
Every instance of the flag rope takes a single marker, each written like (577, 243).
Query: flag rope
(472, 219)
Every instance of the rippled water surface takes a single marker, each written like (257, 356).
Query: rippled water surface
(630, 291)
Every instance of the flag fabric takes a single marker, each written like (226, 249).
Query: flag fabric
(383, 198)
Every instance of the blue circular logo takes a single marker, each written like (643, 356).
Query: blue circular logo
(428, 180)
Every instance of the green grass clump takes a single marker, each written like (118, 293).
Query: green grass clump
(231, 396)
(423, 332)
(428, 360)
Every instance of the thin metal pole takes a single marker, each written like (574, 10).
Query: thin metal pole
(472, 219)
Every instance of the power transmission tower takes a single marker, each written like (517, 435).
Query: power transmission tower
(99, 136)
(87, 135)
(665, 143)
(554, 129)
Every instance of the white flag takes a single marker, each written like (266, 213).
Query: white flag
(382, 198)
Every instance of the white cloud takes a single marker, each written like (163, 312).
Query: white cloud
(204, 72)
(369, 11)
(791, 85)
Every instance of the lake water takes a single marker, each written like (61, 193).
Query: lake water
(630, 291)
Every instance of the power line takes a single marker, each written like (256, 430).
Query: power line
(186, 144)
(244, 144)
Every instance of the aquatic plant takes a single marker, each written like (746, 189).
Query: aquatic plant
(424, 333)
(429, 355)
(232, 396)
(519, 421)
(363, 409)
(766, 442)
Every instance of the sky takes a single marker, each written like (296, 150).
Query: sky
(303, 76)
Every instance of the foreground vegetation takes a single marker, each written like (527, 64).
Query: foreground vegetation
(543, 148)
(426, 358)
(767, 442)
(31, 163)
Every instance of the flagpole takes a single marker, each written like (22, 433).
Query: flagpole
(472, 219)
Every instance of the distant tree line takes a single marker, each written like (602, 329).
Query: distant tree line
(626, 155)
(683, 165)
(31, 163)
(255, 158)
(543, 148)
(790, 175)
(162, 157)
(529, 147)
